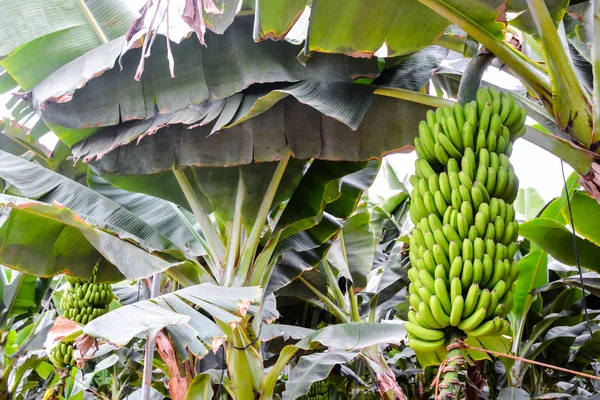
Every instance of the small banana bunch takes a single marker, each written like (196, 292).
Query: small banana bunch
(62, 355)
(84, 301)
(318, 391)
(463, 244)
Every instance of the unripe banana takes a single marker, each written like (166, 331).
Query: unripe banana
(414, 300)
(455, 269)
(424, 346)
(477, 271)
(457, 309)
(448, 146)
(434, 222)
(445, 188)
(470, 300)
(466, 277)
(468, 165)
(442, 294)
(459, 114)
(498, 229)
(473, 321)
(473, 234)
(478, 249)
(428, 335)
(440, 256)
(488, 269)
(455, 135)
(438, 311)
(486, 329)
(463, 245)
(481, 223)
(440, 153)
(431, 119)
(450, 233)
(453, 168)
(427, 315)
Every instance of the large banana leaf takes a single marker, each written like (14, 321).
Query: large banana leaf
(310, 222)
(36, 182)
(361, 28)
(557, 240)
(388, 126)
(172, 311)
(37, 37)
(353, 253)
(230, 62)
(48, 239)
(164, 216)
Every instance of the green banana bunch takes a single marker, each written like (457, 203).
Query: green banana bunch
(85, 301)
(62, 355)
(318, 391)
(493, 122)
(463, 244)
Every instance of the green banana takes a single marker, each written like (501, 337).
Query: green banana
(424, 346)
(425, 334)
(457, 309)
(473, 321)
(470, 300)
(427, 315)
(438, 311)
(463, 244)
(442, 294)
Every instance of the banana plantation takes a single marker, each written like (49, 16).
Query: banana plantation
(293, 199)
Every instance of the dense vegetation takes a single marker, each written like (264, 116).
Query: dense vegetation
(202, 229)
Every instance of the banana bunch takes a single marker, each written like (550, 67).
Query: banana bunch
(318, 391)
(491, 122)
(84, 301)
(62, 355)
(463, 244)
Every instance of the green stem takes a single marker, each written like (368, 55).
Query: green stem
(353, 304)
(450, 384)
(596, 67)
(115, 384)
(335, 310)
(451, 42)
(253, 241)
(570, 103)
(233, 246)
(333, 283)
(268, 386)
(92, 21)
(471, 79)
(264, 267)
(373, 310)
(532, 75)
(215, 245)
(415, 97)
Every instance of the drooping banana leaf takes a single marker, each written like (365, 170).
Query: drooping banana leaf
(37, 37)
(388, 126)
(44, 240)
(75, 96)
(311, 221)
(194, 330)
